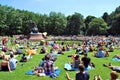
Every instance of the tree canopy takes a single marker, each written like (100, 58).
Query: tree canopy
(15, 21)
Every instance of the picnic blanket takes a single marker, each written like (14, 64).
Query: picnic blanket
(52, 75)
(89, 68)
(30, 72)
(70, 68)
(55, 74)
(115, 59)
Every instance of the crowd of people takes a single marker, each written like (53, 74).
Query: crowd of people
(100, 47)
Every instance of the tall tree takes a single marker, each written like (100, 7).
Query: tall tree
(97, 27)
(114, 22)
(87, 21)
(107, 18)
(57, 23)
(74, 24)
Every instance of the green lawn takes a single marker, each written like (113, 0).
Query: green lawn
(19, 73)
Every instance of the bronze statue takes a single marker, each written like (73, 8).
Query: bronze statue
(33, 27)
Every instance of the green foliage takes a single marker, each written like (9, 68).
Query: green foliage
(87, 21)
(57, 23)
(74, 24)
(97, 27)
(15, 21)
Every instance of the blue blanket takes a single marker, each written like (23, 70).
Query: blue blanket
(30, 72)
(89, 68)
(55, 74)
(115, 59)
(52, 75)
(69, 67)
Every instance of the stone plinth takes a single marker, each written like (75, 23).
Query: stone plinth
(36, 36)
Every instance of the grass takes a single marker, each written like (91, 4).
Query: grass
(19, 73)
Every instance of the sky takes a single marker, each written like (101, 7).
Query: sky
(68, 7)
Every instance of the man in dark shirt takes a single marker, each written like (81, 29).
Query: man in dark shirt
(82, 75)
(86, 60)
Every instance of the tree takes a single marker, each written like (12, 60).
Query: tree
(115, 29)
(15, 24)
(107, 18)
(74, 24)
(87, 21)
(115, 22)
(97, 27)
(56, 23)
(43, 23)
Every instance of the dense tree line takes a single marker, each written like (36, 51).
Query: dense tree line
(15, 21)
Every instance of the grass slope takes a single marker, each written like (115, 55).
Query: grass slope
(19, 73)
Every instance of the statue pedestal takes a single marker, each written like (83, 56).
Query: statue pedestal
(36, 36)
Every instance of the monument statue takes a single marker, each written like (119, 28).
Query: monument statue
(34, 33)
(33, 27)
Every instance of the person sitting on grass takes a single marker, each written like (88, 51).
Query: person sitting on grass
(52, 54)
(114, 68)
(76, 62)
(23, 58)
(43, 50)
(82, 75)
(60, 51)
(101, 53)
(63, 49)
(67, 47)
(10, 64)
(87, 61)
(73, 65)
(111, 48)
(48, 66)
(114, 75)
(79, 51)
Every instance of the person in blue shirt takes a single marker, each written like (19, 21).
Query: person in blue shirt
(9, 64)
(101, 53)
(12, 62)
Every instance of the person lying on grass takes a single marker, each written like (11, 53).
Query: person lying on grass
(31, 51)
(25, 58)
(4, 56)
(117, 56)
(39, 71)
(10, 64)
(114, 68)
